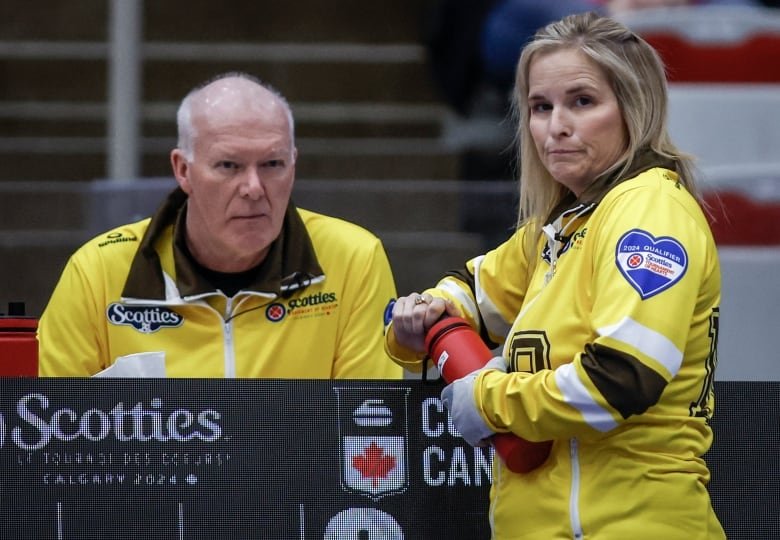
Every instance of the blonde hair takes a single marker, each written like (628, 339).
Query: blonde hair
(637, 77)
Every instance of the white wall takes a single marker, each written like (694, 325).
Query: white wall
(750, 314)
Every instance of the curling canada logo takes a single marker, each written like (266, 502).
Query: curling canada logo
(373, 440)
(145, 319)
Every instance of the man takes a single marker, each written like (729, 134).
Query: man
(228, 278)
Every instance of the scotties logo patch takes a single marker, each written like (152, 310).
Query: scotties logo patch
(145, 319)
(650, 264)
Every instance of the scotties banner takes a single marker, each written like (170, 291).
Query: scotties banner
(263, 459)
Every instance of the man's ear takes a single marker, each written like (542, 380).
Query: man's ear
(181, 169)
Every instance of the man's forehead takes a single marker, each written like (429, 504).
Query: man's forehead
(262, 143)
(235, 103)
(236, 92)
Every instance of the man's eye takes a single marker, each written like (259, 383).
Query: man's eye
(228, 165)
(274, 163)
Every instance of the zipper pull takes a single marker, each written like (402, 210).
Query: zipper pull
(551, 272)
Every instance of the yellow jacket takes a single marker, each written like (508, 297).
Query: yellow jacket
(610, 337)
(315, 310)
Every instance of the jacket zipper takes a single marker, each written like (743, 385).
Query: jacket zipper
(227, 332)
(574, 496)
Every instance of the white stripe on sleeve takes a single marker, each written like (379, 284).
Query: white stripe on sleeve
(576, 395)
(495, 323)
(654, 344)
(460, 296)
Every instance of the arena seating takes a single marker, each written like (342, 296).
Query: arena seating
(723, 64)
(356, 77)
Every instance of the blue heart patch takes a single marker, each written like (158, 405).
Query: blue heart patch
(650, 264)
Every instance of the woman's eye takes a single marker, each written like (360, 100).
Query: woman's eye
(540, 107)
(583, 100)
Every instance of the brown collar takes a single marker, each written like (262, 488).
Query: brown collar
(291, 261)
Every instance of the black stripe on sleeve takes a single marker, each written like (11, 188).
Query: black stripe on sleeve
(628, 385)
(462, 275)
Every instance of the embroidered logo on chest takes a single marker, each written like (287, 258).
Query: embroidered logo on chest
(650, 264)
(145, 319)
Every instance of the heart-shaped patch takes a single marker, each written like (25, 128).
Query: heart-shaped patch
(650, 264)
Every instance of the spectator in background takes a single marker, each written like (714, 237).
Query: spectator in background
(510, 24)
(605, 302)
(228, 278)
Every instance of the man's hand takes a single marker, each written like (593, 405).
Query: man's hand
(458, 397)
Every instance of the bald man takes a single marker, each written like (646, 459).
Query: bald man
(228, 278)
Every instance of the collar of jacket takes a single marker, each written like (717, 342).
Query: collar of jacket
(644, 160)
(291, 262)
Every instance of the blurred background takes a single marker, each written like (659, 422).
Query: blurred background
(401, 125)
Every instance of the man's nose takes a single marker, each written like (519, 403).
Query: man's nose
(252, 184)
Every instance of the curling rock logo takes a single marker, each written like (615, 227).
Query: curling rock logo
(145, 319)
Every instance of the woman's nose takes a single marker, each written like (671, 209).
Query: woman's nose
(560, 123)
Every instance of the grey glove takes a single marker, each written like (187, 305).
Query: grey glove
(458, 397)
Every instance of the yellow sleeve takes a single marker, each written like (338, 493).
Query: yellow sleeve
(361, 353)
(70, 344)
(484, 294)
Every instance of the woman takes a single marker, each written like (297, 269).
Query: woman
(605, 300)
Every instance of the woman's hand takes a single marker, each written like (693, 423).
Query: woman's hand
(413, 315)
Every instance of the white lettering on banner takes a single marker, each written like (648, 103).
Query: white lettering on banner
(74, 458)
(177, 459)
(83, 479)
(148, 463)
(472, 469)
(432, 408)
(135, 424)
(458, 467)
(434, 417)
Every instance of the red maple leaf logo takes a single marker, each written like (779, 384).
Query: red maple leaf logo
(373, 463)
